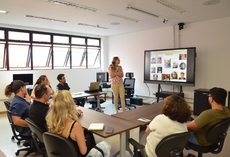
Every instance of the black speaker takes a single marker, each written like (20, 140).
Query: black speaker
(201, 101)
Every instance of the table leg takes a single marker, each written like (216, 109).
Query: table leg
(124, 145)
(98, 104)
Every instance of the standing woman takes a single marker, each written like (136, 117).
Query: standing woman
(116, 74)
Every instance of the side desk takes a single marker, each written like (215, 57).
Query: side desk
(83, 94)
(119, 125)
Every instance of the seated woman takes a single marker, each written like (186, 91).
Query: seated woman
(175, 113)
(10, 94)
(62, 120)
(42, 79)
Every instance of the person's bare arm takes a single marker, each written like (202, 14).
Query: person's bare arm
(192, 125)
(79, 137)
(148, 130)
(20, 122)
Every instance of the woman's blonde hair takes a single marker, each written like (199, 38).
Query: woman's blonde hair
(61, 109)
(113, 68)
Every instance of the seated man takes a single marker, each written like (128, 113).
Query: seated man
(39, 108)
(208, 118)
(20, 107)
(62, 85)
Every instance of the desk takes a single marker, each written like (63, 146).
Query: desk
(149, 112)
(83, 94)
(119, 125)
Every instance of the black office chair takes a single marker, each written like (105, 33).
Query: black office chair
(20, 137)
(94, 100)
(216, 135)
(37, 136)
(58, 146)
(170, 146)
(129, 83)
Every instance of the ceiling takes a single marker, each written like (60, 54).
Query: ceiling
(18, 9)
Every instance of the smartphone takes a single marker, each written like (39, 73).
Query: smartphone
(109, 130)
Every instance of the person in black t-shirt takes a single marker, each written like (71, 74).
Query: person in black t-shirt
(39, 108)
(62, 85)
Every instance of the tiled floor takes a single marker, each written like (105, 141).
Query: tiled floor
(9, 147)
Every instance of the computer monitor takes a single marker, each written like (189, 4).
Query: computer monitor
(26, 78)
(102, 77)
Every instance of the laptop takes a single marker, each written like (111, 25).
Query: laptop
(94, 87)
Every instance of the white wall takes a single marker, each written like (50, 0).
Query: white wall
(78, 79)
(211, 38)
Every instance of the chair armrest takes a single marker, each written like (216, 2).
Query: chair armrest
(135, 143)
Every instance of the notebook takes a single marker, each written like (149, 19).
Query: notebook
(96, 126)
(94, 87)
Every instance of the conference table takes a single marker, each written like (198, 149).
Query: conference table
(120, 126)
(147, 112)
(83, 94)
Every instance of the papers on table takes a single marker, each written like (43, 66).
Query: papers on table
(144, 119)
(76, 93)
(96, 126)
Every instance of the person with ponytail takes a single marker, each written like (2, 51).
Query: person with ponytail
(41, 79)
(116, 74)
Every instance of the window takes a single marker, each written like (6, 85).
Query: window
(93, 58)
(2, 52)
(61, 56)
(41, 37)
(41, 50)
(61, 39)
(78, 56)
(42, 56)
(18, 56)
(93, 42)
(2, 34)
(18, 36)
(78, 41)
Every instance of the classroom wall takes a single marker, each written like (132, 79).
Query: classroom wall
(211, 38)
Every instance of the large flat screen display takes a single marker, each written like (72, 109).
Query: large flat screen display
(26, 78)
(170, 66)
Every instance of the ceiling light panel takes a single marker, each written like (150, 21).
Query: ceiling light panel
(77, 6)
(3, 11)
(126, 18)
(89, 25)
(142, 11)
(172, 6)
(46, 18)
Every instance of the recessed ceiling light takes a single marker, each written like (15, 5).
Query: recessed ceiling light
(96, 26)
(172, 6)
(211, 2)
(115, 23)
(77, 6)
(124, 17)
(46, 18)
(3, 11)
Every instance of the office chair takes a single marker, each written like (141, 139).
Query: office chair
(20, 137)
(94, 100)
(170, 146)
(129, 83)
(37, 136)
(58, 146)
(216, 135)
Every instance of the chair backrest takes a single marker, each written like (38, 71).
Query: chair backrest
(215, 132)
(129, 83)
(172, 145)
(15, 127)
(7, 104)
(36, 130)
(58, 146)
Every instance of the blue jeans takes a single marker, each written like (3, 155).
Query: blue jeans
(192, 139)
(26, 132)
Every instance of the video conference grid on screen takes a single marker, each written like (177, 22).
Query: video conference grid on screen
(168, 65)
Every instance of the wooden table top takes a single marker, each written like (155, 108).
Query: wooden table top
(119, 125)
(148, 111)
